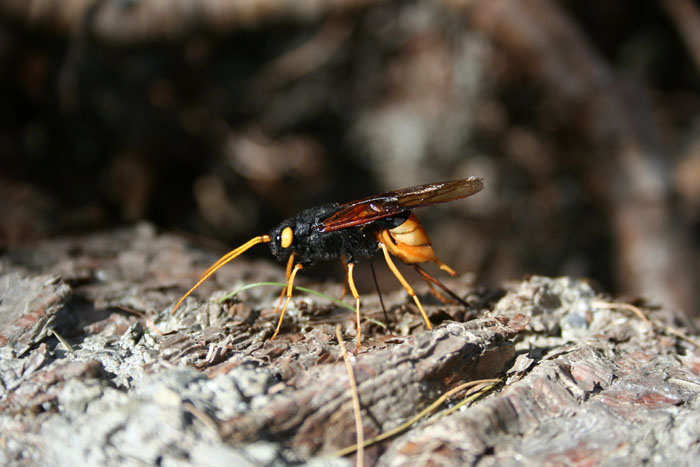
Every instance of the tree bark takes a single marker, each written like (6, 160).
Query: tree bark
(583, 379)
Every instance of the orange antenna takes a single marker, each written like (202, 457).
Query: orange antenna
(220, 262)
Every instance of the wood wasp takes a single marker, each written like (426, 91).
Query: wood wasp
(357, 230)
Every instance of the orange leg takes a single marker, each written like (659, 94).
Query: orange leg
(353, 290)
(405, 284)
(288, 271)
(445, 267)
(436, 293)
(290, 288)
(428, 279)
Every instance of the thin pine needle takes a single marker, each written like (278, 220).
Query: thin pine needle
(151, 325)
(476, 393)
(679, 334)
(299, 289)
(359, 431)
(423, 413)
(64, 342)
(202, 417)
(280, 284)
(638, 312)
(624, 306)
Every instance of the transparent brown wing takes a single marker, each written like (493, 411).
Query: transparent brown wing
(393, 202)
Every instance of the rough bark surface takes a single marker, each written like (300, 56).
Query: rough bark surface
(584, 380)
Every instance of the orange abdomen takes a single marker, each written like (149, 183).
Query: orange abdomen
(411, 244)
(408, 242)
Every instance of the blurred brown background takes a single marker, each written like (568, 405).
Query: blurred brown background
(218, 119)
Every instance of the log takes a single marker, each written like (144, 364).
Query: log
(584, 380)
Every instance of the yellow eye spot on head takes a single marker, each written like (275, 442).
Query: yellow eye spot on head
(287, 237)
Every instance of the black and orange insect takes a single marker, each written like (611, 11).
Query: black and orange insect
(356, 230)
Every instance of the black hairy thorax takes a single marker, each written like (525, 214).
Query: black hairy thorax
(311, 244)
